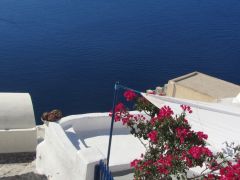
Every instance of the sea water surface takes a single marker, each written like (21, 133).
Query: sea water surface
(68, 53)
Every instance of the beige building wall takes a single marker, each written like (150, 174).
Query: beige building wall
(202, 87)
(179, 91)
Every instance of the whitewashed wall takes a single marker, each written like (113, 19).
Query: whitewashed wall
(63, 156)
(60, 160)
(17, 123)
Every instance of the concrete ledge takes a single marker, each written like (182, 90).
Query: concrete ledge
(18, 140)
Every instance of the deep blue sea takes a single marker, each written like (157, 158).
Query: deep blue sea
(68, 53)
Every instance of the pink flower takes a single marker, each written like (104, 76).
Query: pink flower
(120, 109)
(164, 163)
(153, 136)
(147, 163)
(125, 120)
(129, 95)
(153, 121)
(201, 135)
(231, 172)
(206, 152)
(162, 170)
(186, 108)
(165, 112)
(138, 117)
(134, 163)
(197, 152)
(181, 134)
(185, 121)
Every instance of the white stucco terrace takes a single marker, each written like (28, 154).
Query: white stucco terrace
(74, 145)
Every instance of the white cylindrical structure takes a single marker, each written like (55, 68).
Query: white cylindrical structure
(17, 123)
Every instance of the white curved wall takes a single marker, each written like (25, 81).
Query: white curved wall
(16, 111)
(69, 149)
(92, 124)
(58, 159)
(17, 123)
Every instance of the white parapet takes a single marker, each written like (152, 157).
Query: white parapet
(58, 159)
(73, 146)
(17, 123)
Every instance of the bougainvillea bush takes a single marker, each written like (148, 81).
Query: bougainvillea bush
(173, 146)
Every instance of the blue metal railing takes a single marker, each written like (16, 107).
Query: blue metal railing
(112, 122)
(117, 86)
(102, 172)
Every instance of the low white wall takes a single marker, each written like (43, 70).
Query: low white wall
(59, 159)
(17, 123)
(18, 140)
(93, 123)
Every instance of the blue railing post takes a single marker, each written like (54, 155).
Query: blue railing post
(97, 172)
(102, 172)
(112, 122)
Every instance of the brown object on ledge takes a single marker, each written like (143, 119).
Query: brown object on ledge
(52, 116)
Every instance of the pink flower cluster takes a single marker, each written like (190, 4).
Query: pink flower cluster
(164, 163)
(197, 152)
(140, 165)
(129, 95)
(126, 119)
(231, 172)
(120, 107)
(182, 133)
(153, 136)
(121, 114)
(184, 156)
(201, 135)
(164, 130)
(134, 163)
(165, 112)
(120, 111)
(131, 118)
(138, 117)
(186, 108)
